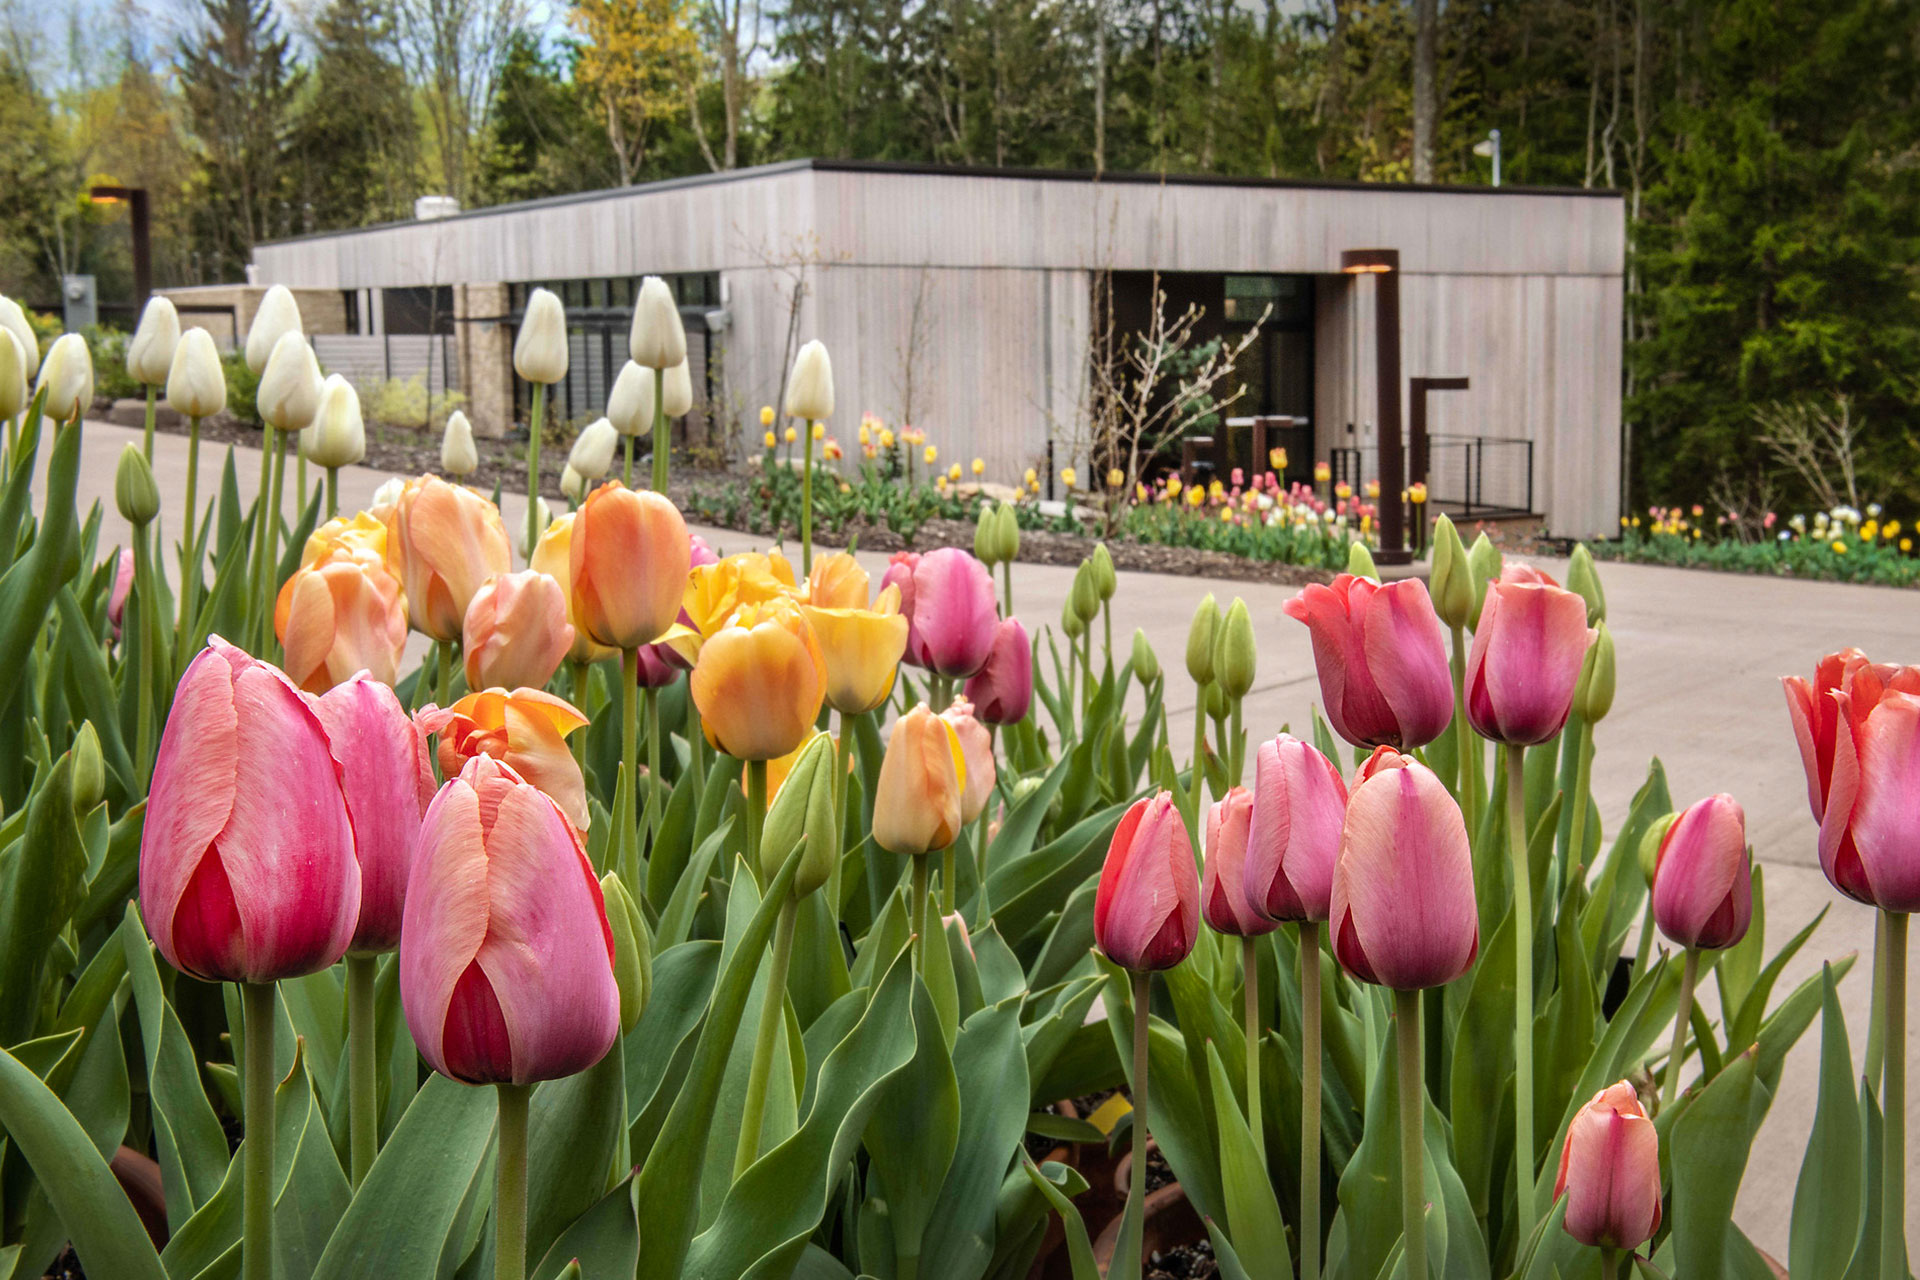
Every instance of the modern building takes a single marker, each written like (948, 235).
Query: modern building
(965, 301)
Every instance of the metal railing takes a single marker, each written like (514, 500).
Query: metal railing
(1483, 477)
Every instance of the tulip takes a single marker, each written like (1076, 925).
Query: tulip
(1610, 1172)
(986, 541)
(593, 450)
(838, 581)
(810, 385)
(658, 339)
(338, 436)
(676, 391)
(1299, 808)
(630, 409)
(1360, 561)
(759, 681)
(1484, 561)
(1002, 690)
(632, 950)
(450, 541)
(861, 647)
(1224, 900)
(976, 751)
(363, 531)
(1451, 583)
(629, 556)
(67, 378)
(953, 614)
(1200, 640)
(918, 798)
(134, 491)
(341, 614)
(1145, 662)
(540, 348)
(150, 353)
(554, 557)
(1702, 883)
(525, 730)
(715, 590)
(1525, 660)
(1381, 659)
(15, 321)
(290, 390)
(516, 631)
(278, 315)
(459, 457)
(802, 810)
(15, 390)
(122, 582)
(573, 485)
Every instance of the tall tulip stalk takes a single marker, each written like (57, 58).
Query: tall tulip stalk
(658, 342)
(809, 398)
(197, 389)
(139, 501)
(540, 358)
(1229, 910)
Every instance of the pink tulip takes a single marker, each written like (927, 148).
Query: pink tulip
(1877, 787)
(1525, 661)
(1223, 884)
(1002, 690)
(1610, 1172)
(976, 746)
(1382, 660)
(950, 611)
(388, 782)
(1702, 881)
(516, 632)
(1146, 912)
(702, 553)
(247, 870)
(122, 587)
(659, 666)
(1402, 911)
(506, 958)
(1299, 805)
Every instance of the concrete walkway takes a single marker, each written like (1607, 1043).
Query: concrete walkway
(1700, 656)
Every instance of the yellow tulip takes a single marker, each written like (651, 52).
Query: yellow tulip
(837, 582)
(760, 681)
(862, 649)
(916, 809)
(714, 591)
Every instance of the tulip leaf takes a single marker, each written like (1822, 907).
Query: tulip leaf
(1620, 888)
(1865, 1263)
(1071, 938)
(1482, 1078)
(115, 879)
(1826, 1198)
(1026, 890)
(1709, 1144)
(603, 1241)
(1178, 1115)
(1745, 1026)
(572, 1132)
(40, 886)
(87, 665)
(1784, 1026)
(1022, 824)
(676, 919)
(1253, 1212)
(659, 1043)
(1738, 967)
(1079, 1248)
(28, 586)
(914, 1129)
(992, 1072)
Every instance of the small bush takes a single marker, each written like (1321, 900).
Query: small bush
(404, 402)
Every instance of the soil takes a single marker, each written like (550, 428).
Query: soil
(1187, 1262)
(66, 1267)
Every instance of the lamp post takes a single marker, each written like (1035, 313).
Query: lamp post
(1489, 148)
(1384, 266)
(135, 198)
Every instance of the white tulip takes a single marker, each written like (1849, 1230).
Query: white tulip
(15, 320)
(338, 436)
(14, 391)
(810, 388)
(658, 340)
(150, 354)
(386, 498)
(278, 314)
(458, 456)
(573, 484)
(540, 352)
(289, 391)
(676, 391)
(196, 384)
(592, 454)
(67, 376)
(630, 405)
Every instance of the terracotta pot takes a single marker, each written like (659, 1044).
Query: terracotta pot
(1170, 1221)
(139, 1177)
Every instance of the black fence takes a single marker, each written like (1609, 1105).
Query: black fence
(1483, 477)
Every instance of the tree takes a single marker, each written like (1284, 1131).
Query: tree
(452, 50)
(542, 138)
(30, 155)
(358, 142)
(636, 60)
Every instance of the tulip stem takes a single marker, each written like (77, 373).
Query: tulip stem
(949, 863)
(652, 811)
(982, 910)
(773, 1008)
(1310, 1100)
(626, 475)
(1199, 749)
(333, 492)
(1689, 975)
(1609, 1264)
(445, 685)
(1126, 1257)
(362, 1083)
(661, 445)
(627, 850)
(1236, 747)
(1462, 787)
(1006, 573)
(259, 590)
(1582, 785)
(256, 1253)
(756, 811)
(580, 701)
(146, 445)
(533, 466)
(842, 753)
(300, 476)
(806, 504)
(1893, 1093)
(1250, 966)
(510, 1198)
(1413, 1120)
(189, 566)
(1522, 987)
(917, 910)
(1876, 1029)
(149, 620)
(270, 570)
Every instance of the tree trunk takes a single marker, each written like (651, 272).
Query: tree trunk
(1099, 87)
(1426, 96)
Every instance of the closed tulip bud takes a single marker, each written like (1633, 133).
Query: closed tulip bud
(632, 951)
(1070, 624)
(593, 450)
(122, 588)
(1002, 691)
(986, 536)
(1360, 561)
(1525, 661)
(1146, 663)
(134, 491)
(630, 403)
(759, 681)
(150, 353)
(554, 557)
(676, 392)
(288, 397)
(1485, 562)
(572, 484)
(1085, 597)
(810, 385)
(449, 540)
(459, 457)
(247, 870)
(67, 377)
(1381, 658)
(1215, 701)
(516, 631)
(506, 954)
(917, 800)
(1146, 912)
(14, 388)
(1593, 695)
(1610, 1172)
(1007, 543)
(630, 555)
(1451, 584)
(342, 613)
(1650, 842)
(1105, 580)
(540, 348)
(338, 436)
(1299, 806)
(196, 385)
(1702, 876)
(1584, 581)
(277, 316)
(388, 783)
(1234, 657)
(951, 613)
(976, 748)
(1223, 885)
(802, 810)
(89, 769)
(658, 340)
(15, 321)
(1200, 640)
(525, 729)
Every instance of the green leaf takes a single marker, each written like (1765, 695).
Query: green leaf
(572, 1132)
(40, 886)
(676, 920)
(1826, 1199)
(1482, 1080)
(1254, 1224)
(603, 1241)
(914, 1129)
(28, 586)
(1079, 1248)
(992, 1070)
(1709, 1144)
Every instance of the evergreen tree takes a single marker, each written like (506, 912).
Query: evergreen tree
(358, 141)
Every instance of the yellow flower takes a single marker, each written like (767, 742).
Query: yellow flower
(1116, 478)
(1195, 497)
(953, 473)
(1343, 490)
(1891, 529)
(979, 466)
(1173, 486)
(1839, 547)
(1418, 493)
(1067, 477)
(860, 645)
(940, 483)
(819, 431)
(760, 681)
(766, 415)
(1906, 544)
(922, 778)
(932, 455)
(1277, 459)
(886, 438)
(845, 487)
(1033, 486)
(1869, 531)
(1373, 488)
(866, 436)
(1139, 492)
(1226, 515)
(770, 440)
(1623, 522)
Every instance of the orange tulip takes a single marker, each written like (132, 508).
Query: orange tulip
(339, 615)
(917, 801)
(837, 582)
(759, 681)
(526, 729)
(554, 557)
(362, 531)
(450, 540)
(714, 591)
(629, 554)
(516, 631)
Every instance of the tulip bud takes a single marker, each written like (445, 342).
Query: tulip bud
(1146, 663)
(1610, 1172)
(1650, 842)
(1381, 659)
(630, 555)
(1584, 581)
(1215, 701)
(134, 491)
(15, 321)
(540, 349)
(1002, 690)
(1105, 580)
(122, 588)
(810, 386)
(986, 544)
(1485, 561)
(1007, 543)
(657, 340)
(573, 484)
(289, 393)
(632, 950)
(630, 403)
(459, 457)
(1200, 639)
(1086, 594)
(1146, 912)
(1360, 561)
(1223, 884)
(1299, 804)
(676, 392)
(1070, 624)
(593, 450)
(1233, 658)
(388, 782)
(277, 316)
(338, 436)
(1451, 583)
(803, 810)
(14, 390)
(197, 385)
(1593, 695)
(67, 377)
(951, 612)
(89, 769)
(150, 354)
(516, 631)
(1702, 877)
(917, 799)
(1528, 647)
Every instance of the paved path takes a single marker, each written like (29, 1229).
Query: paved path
(1700, 656)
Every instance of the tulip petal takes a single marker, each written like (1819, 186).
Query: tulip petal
(192, 792)
(1525, 661)
(388, 784)
(1405, 880)
(476, 1038)
(445, 918)
(1356, 708)
(1886, 816)
(1406, 655)
(1839, 851)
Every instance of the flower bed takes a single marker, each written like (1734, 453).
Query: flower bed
(1844, 545)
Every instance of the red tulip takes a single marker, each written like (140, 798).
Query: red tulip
(947, 598)
(388, 784)
(247, 870)
(1702, 882)
(1382, 660)
(1002, 690)
(1223, 884)
(1610, 1172)
(1299, 805)
(506, 957)
(1402, 911)
(1525, 661)
(1146, 912)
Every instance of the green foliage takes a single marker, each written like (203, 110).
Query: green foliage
(1848, 559)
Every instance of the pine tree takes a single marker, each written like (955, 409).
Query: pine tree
(357, 138)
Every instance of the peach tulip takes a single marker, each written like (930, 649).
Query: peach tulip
(1223, 885)
(1002, 690)
(1146, 912)
(527, 729)
(339, 615)
(1381, 658)
(1610, 1172)
(1402, 910)
(247, 870)
(1299, 806)
(1702, 876)
(838, 581)
(861, 645)
(388, 784)
(630, 555)
(553, 556)
(516, 631)
(1525, 660)
(917, 803)
(449, 541)
(506, 956)
(950, 609)
(976, 747)
(759, 681)
(362, 531)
